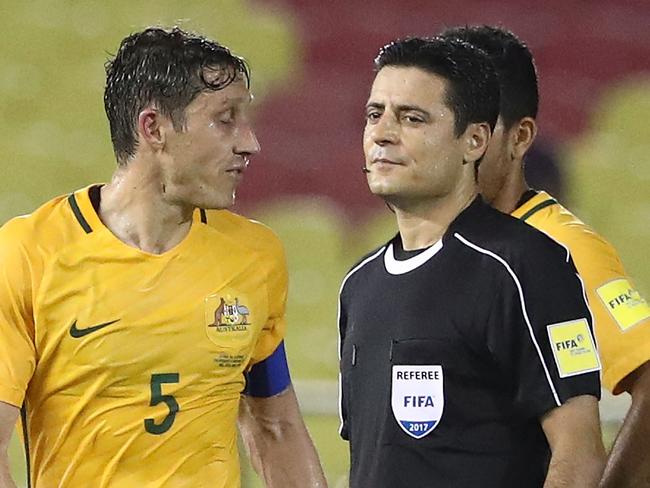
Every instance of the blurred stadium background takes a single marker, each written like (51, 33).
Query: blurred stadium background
(311, 63)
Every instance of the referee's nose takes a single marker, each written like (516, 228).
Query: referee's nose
(385, 130)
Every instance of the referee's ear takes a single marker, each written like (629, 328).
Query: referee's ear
(475, 141)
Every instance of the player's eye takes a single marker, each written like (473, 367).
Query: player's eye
(227, 117)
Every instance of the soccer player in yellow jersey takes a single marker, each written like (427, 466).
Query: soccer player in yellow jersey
(131, 312)
(621, 315)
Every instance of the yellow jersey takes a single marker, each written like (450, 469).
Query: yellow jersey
(128, 366)
(621, 315)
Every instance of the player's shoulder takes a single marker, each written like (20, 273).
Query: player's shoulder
(44, 229)
(249, 233)
(564, 226)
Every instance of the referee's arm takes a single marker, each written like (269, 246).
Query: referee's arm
(574, 436)
(558, 309)
(545, 344)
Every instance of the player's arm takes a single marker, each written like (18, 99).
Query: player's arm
(17, 350)
(273, 430)
(8, 417)
(628, 465)
(573, 434)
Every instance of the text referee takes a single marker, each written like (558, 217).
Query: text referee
(467, 355)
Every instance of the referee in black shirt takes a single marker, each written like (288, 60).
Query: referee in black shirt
(467, 354)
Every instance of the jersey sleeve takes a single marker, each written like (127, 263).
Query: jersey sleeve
(540, 332)
(621, 314)
(274, 329)
(270, 376)
(17, 350)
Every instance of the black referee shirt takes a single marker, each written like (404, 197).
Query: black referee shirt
(451, 355)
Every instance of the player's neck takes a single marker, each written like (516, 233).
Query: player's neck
(513, 188)
(423, 223)
(134, 208)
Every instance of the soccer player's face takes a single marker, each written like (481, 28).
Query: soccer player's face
(208, 157)
(493, 171)
(410, 147)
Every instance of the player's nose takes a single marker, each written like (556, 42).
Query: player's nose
(247, 143)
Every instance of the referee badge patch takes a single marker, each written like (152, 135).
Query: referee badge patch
(417, 398)
(624, 303)
(573, 348)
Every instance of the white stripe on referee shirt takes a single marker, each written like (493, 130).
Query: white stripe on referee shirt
(523, 308)
(338, 321)
(582, 283)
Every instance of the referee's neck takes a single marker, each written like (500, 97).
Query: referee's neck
(424, 222)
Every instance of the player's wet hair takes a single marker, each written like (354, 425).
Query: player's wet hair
(166, 69)
(472, 92)
(515, 68)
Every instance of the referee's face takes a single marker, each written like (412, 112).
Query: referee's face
(411, 152)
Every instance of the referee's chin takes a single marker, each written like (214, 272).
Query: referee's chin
(382, 188)
(393, 199)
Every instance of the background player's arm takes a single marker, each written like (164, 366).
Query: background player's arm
(573, 434)
(278, 443)
(8, 417)
(628, 464)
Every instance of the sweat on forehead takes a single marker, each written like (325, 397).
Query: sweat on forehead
(165, 68)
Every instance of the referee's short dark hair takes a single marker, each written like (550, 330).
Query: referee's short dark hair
(472, 85)
(514, 64)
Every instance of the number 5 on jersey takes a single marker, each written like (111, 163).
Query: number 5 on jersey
(157, 397)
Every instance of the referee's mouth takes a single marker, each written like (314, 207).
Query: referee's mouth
(385, 161)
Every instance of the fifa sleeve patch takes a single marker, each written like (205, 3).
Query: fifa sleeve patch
(269, 377)
(624, 303)
(573, 348)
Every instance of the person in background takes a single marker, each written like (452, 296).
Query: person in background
(621, 314)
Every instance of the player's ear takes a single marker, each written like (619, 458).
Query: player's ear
(476, 137)
(152, 126)
(522, 135)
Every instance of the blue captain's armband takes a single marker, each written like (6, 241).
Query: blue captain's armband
(269, 377)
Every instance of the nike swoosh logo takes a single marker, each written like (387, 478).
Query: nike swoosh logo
(77, 333)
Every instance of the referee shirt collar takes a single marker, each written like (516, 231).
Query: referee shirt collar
(397, 261)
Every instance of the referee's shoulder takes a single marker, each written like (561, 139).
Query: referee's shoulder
(511, 238)
(355, 271)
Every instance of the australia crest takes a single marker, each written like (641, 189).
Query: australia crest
(230, 316)
(227, 319)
